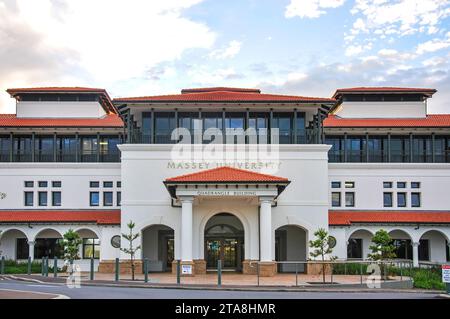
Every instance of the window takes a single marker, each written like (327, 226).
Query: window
(400, 149)
(355, 149)
(91, 248)
(107, 199)
(349, 184)
(119, 198)
(66, 149)
(164, 125)
(415, 199)
(22, 248)
(108, 184)
(335, 184)
(119, 184)
(56, 184)
(401, 184)
(94, 199)
(336, 199)
(336, 153)
(354, 248)
(415, 184)
(94, 184)
(403, 248)
(387, 199)
(108, 149)
(387, 184)
(29, 199)
(43, 184)
(48, 247)
(401, 199)
(89, 147)
(29, 184)
(56, 198)
(447, 251)
(42, 198)
(283, 122)
(44, 149)
(349, 199)
(424, 250)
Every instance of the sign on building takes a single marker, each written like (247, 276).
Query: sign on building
(446, 273)
(186, 269)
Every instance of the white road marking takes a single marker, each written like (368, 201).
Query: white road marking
(57, 296)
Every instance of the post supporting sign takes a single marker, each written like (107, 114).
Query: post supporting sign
(446, 276)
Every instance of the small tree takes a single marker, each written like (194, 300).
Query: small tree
(382, 248)
(0, 242)
(71, 244)
(321, 247)
(131, 250)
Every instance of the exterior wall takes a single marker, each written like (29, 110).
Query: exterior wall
(369, 177)
(75, 180)
(382, 110)
(59, 110)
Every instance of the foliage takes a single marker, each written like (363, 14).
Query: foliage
(383, 247)
(131, 250)
(349, 268)
(321, 247)
(20, 267)
(71, 244)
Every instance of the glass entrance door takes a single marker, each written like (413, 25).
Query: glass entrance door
(228, 250)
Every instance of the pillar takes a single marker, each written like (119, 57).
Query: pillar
(266, 229)
(415, 249)
(186, 228)
(31, 249)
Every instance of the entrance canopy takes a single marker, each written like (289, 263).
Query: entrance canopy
(226, 182)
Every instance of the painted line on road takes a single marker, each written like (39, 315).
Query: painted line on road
(58, 296)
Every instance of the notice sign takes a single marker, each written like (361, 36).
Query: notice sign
(446, 273)
(186, 269)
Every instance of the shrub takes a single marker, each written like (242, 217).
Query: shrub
(13, 267)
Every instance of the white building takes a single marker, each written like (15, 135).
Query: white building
(72, 158)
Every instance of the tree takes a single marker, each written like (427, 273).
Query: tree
(130, 237)
(321, 247)
(382, 248)
(0, 242)
(71, 244)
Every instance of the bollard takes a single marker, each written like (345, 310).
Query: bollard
(29, 266)
(42, 267)
(401, 271)
(257, 271)
(2, 266)
(178, 272)
(331, 273)
(91, 274)
(146, 270)
(55, 267)
(296, 275)
(219, 272)
(117, 269)
(360, 273)
(46, 266)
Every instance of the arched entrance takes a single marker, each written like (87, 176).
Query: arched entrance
(14, 244)
(224, 240)
(158, 247)
(290, 245)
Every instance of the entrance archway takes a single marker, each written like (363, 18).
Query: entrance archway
(290, 245)
(158, 247)
(224, 240)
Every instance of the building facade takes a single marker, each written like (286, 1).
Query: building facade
(225, 174)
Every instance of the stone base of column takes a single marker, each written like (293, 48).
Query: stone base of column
(109, 267)
(249, 267)
(267, 269)
(200, 266)
(317, 268)
(184, 263)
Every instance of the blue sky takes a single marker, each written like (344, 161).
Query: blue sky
(302, 47)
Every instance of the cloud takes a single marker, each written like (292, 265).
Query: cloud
(433, 45)
(230, 51)
(352, 50)
(310, 8)
(92, 42)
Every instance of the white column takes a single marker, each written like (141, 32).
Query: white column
(415, 249)
(186, 228)
(31, 249)
(265, 222)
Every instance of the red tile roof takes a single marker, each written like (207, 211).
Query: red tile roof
(11, 120)
(431, 120)
(225, 174)
(101, 217)
(224, 95)
(104, 96)
(385, 89)
(346, 218)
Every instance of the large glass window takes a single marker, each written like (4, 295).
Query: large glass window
(42, 198)
(377, 148)
(387, 199)
(211, 120)
(48, 247)
(94, 199)
(301, 128)
(146, 129)
(422, 149)
(22, 148)
(355, 149)
(91, 248)
(440, 143)
(5, 146)
(66, 149)
(336, 199)
(336, 153)
(186, 120)
(56, 198)
(349, 199)
(28, 198)
(236, 121)
(415, 199)
(89, 145)
(109, 152)
(400, 149)
(44, 149)
(259, 121)
(424, 250)
(164, 125)
(107, 198)
(22, 248)
(401, 199)
(283, 122)
(354, 248)
(403, 248)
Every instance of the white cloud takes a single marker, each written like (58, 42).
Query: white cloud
(310, 8)
(352, 50)
(230, 51)
(92, 42)
(433, 45)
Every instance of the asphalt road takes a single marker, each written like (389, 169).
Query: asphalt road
(91, 292)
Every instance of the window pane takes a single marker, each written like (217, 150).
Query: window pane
(387, 184)
(42, 198)
(43, 184)
(94, 184)
(29, 198)
(415, 199)
(401, 185)
(56, 184)
(335, 184)
(387, 199)
(401, 199)
(415, 184)
(336, 199)
(56, 198)
(354, 248)
(119, 198)
(349, 184)
(349, 199)
(29, 184)
(94, 198)
(108, 184)
(107, 199)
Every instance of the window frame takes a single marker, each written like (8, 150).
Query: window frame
(98, 199)
(353, 199)
(39, 198)
(53, 198)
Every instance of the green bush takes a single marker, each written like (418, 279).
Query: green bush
(349, 269)
(430, 278)
(13, 267)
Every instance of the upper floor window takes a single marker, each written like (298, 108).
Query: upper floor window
(56, 184)
(335, 184)
(387, 184)
(349, 184)
(415, 184)
(42, 198)
(336, 199)
(29, 184)
(401, 199)
(415, 199)
(349, 199)
(401, 184)
(387, 199)
(28, 199)
(43, 184)
(94, 198)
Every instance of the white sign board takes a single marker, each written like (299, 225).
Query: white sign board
(186, 269)
(446, 273)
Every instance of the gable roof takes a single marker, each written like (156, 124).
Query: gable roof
(108, 121)
(226, 174)
(385, 89)
(346, 218)
(100, 217)
(431, 120)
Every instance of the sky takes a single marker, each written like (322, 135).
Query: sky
(299, 47)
